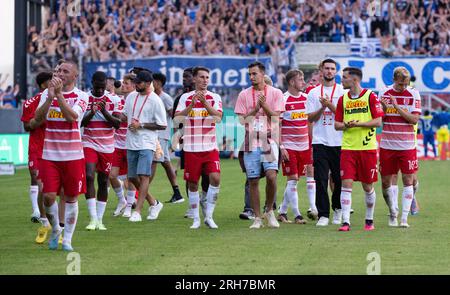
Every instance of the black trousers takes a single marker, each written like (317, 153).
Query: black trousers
(327, 158)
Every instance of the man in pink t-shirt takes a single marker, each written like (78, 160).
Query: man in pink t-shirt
(259, 108)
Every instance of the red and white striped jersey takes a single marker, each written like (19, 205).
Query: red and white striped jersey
(397, 133)
(62, 138)
(98, 134)
(120, 135)
(199, 126)
(294, 123)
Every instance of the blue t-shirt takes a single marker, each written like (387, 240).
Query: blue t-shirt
(426, 125)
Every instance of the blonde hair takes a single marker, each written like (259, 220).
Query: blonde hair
(267, 80)
(401, 74)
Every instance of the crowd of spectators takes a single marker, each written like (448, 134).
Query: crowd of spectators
(9, 95)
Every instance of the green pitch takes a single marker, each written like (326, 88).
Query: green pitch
(168, 246)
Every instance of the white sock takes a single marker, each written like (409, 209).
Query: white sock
(395, 197)
(194, 200)
(34, 192)
(131, 197)
(53, 217)
(44, 222)
(285, 204)
(119, 194)
(92, 208)
(311, 191)
(407, 197)
(70, 221)
(211, 200)
(370, 204)
(389, 198)
(101, 206)
(292, 195)
(346, 204)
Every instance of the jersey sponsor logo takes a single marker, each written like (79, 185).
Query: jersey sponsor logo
(356, 107)
(297, 115)
(201, 113)
(392, 110)
(55, 115)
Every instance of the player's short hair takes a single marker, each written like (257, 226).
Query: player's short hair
(327, 60)
(354, 72)
(188, 70)
(136, 70)
(43, 77)
(129, 77)
(426, 113)
(291, 74)
(99, 76)
(160, 77)
(258, 64)
(401, 73)
(111, 78)
(68, 61)
(198, 69)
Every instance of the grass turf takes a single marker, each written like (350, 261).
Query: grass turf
(168, 246)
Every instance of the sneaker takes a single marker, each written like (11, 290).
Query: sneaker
(345, 227)
(42, 234)
(368, 226)
(153, 211)
(271, 220)
(283, 218)
(135, 217)
(210, 223)
(299, 220)
(121, 206)
(127, 212)
(337, 216)
(257, 223)
(247, 215)
(101, 226)
(176, 199)
(323, 221)
(404, 223)
(196, 223)
(393, 221)
(53, 241)
(312, 214)
(67, 247)
(189, 213)
(414, 207)
(35, 216)
(92, 225)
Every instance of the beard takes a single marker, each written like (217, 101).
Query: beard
(328, 79)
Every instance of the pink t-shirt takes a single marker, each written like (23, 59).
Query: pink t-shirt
(261, 124)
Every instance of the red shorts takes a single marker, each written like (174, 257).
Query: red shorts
(33, 162)
(198, 163)
(69, 175)
(298, 160)
(391, 161)
(119, 159)
(103, 160)
(359, 165)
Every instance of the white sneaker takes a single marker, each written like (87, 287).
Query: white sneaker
(135, 217)
(404, 223)
(312, 214)
(323, 221)
(120, 208)
(153, 211)
(196, 223)
(127, 212)
(337, 216)
(257, 223)
(271, 219)
(189, 213)
(210, 223)
(393, 221)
